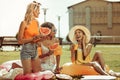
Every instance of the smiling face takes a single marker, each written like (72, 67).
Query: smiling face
(79, 35)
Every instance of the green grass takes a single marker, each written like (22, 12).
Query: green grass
(111, 54)
(8, 55)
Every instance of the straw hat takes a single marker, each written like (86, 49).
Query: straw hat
(84, 29)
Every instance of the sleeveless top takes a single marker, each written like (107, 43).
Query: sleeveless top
(31, 30)
(87, 59)
(48, 62)
(79, 56)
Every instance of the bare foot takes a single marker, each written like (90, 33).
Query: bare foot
(112, 73)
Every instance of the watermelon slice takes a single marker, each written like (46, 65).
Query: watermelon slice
(54, 46)
(45, 31)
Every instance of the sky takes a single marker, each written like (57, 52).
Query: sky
(12, 13)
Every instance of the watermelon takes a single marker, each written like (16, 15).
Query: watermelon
(25, 77)
(54, 46)
(45, 75)
(45, 31)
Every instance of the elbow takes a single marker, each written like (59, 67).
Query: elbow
(20, 42)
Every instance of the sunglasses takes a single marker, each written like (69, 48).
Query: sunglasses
(55, 30)
(36, 3)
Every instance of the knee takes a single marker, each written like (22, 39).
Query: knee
(95, 64)
(98, 53)
(14, 65)
(27, 71)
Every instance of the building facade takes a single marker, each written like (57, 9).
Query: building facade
(98, 16)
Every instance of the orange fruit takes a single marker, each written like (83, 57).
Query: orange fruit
(45, 31)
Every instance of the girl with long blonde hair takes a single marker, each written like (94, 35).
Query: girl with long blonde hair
(27, 37)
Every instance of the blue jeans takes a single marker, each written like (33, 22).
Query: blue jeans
(29, 51)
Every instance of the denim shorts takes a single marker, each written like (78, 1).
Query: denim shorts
(29, 51)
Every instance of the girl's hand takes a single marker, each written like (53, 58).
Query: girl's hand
(47, 43)
(57, 70)
(84, 39)
(39, 38)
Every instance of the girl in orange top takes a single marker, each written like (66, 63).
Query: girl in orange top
(27, 37)
(49, 57)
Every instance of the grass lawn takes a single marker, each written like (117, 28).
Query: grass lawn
(111, 54)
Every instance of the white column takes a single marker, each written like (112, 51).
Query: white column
(109, 16)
